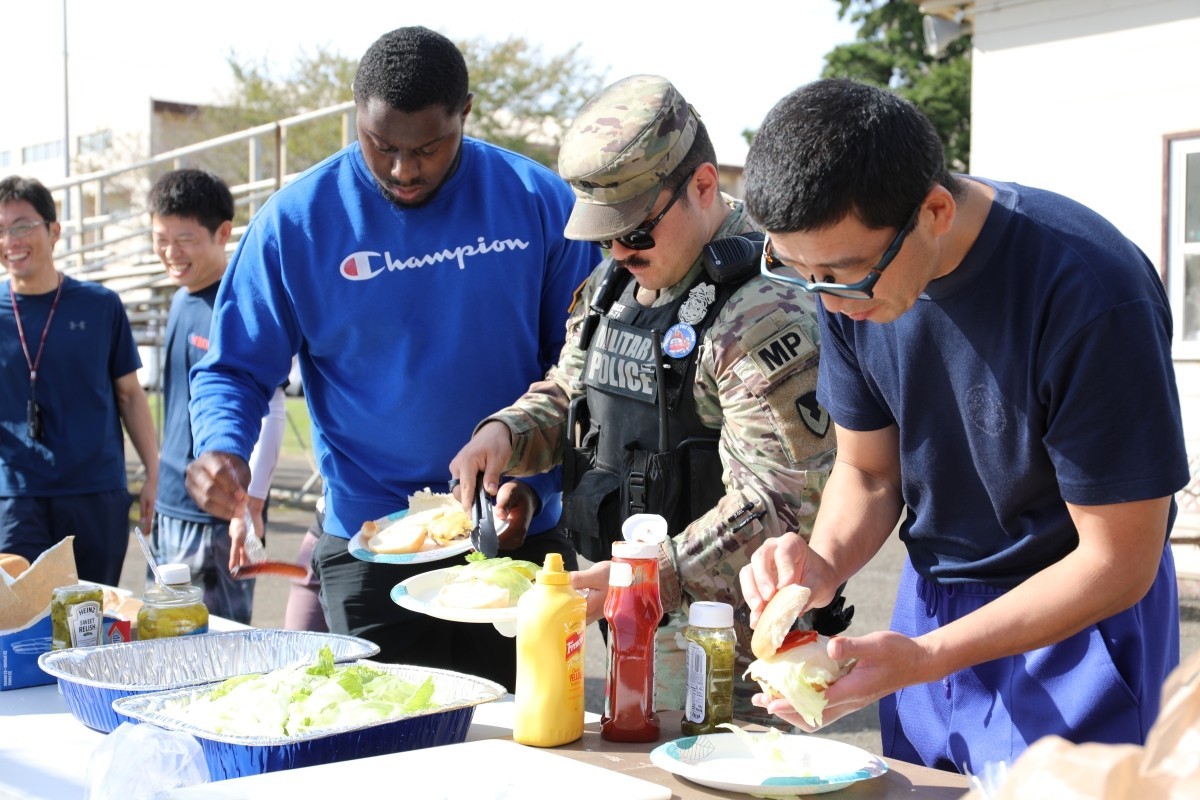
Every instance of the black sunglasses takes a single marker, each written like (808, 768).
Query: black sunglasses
(639, 238)
(775, 270)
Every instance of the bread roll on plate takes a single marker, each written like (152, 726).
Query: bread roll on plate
(437, 518)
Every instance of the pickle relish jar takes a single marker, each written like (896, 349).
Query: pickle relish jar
(76, 616)
(174, 609)
(710, 652)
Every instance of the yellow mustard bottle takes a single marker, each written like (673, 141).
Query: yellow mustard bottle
(551, 623)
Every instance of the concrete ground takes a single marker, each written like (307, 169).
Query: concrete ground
(871, 592)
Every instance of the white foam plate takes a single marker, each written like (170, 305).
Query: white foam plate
(429, 552)
(419, 593)
(812, 765)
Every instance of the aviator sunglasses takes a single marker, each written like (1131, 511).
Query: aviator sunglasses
(639, 238)
(775, 270)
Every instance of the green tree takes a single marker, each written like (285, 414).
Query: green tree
(890, 52)
(524, 99)
(521, 97)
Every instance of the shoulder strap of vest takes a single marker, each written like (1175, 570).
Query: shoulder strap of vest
(606, 293)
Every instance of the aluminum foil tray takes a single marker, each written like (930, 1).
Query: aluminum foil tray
(228, 756)
(91, 678)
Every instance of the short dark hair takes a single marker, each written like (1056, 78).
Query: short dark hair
(192, 194)
(412, 69)
(31, 190)
(836, 147)
(701, 152)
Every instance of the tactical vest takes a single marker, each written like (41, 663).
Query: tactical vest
(635, 442)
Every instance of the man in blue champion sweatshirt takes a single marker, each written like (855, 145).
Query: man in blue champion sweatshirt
(423, 279)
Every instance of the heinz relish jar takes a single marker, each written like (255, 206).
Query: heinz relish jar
(633, 609)
(173, 609)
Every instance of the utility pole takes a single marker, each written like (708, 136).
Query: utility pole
(66, 124)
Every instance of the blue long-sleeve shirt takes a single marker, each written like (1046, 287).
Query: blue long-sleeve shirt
(412, 324)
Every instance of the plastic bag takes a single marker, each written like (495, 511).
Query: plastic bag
(138, 762)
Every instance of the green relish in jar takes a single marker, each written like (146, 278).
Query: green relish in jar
(710, 650)
(76, 616)
(173, 609)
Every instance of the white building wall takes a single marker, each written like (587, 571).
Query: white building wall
(1076, 96)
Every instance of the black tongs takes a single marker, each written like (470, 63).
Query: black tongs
(485, 537)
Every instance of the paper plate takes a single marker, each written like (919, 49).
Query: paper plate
(812, 765)
(419, 593)
(430, 552)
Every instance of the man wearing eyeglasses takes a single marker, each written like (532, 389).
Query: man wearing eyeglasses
(686, 386)
(997, 361)
(68, 379)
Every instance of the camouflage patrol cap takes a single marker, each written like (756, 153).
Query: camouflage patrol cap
(618, 150)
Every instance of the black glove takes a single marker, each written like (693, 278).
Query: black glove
(832, 619)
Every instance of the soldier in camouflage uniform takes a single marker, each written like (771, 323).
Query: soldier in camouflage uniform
(740, 368)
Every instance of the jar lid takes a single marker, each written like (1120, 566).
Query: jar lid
(174, 573)
(709, 614)
(635, 550)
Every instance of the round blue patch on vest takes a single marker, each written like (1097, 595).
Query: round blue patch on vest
(679, 340)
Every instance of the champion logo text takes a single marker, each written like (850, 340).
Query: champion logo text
(366, 264)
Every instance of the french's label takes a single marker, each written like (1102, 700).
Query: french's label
(621, 361)
(574, 645)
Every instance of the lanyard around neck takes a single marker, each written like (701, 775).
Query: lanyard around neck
(36, 360)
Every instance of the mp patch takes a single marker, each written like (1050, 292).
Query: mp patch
(785, 349)
(814, 417)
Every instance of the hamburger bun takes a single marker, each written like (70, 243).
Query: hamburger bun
(782, 611)
(449, 524)
(399, 538)
(434, 518)
(425, 500)
(474, 594)
(13, 564)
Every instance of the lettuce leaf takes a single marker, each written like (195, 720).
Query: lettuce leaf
(290, 701)
(801, 683)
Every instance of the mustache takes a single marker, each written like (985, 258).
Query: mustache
(633, 261)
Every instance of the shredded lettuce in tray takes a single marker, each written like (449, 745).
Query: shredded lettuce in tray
(293, 701)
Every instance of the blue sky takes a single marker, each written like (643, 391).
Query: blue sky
(124, 51)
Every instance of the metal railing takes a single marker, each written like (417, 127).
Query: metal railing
(106, 228)
(108, 224)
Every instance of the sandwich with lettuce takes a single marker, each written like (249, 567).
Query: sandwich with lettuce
(487, 582)
(793, 664)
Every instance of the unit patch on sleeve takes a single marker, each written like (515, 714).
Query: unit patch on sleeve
(814, 417)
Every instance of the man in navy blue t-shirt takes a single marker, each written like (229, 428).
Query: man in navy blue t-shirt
(997, 360)
(68, 379)
(191, 219)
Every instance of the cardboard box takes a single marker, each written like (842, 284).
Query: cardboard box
(25, 616)
(19, 650)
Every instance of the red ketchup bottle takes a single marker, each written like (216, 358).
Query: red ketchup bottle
(633, 610)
